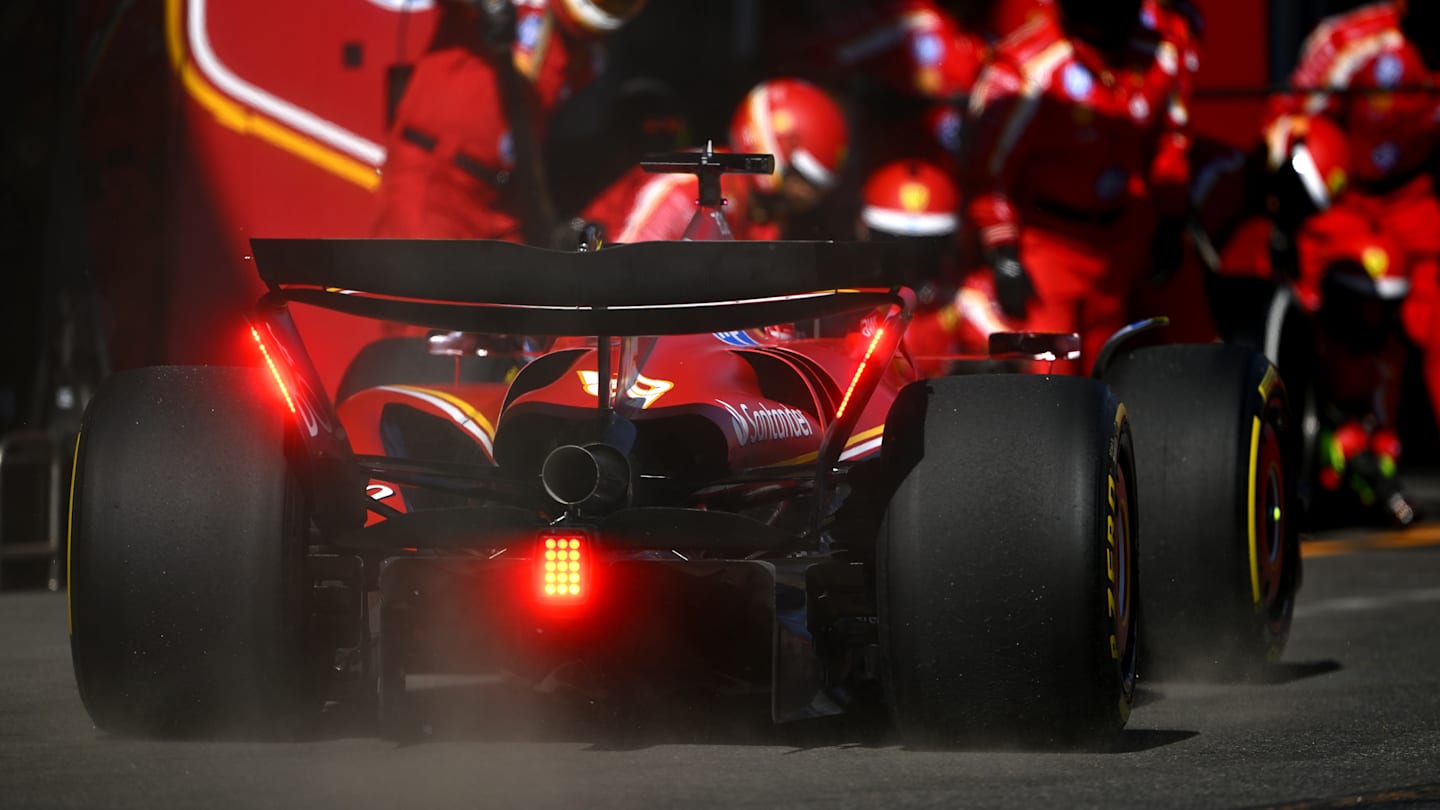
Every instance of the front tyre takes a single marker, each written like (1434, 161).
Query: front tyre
(187, 544)
(1006, 576)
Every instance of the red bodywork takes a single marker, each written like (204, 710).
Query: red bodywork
(728, 380)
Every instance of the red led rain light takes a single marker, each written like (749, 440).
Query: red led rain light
(563, 569)
(274, 370)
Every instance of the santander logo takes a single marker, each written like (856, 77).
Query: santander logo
(762, 424)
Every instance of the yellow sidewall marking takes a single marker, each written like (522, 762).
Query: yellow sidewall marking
(1268, 383)
(233, 115)
(1113, 516)
(69, 533)
(1250, 519)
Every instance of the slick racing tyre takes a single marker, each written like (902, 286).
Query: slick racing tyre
(1006, 576)
(187, 544)
(1213, 450)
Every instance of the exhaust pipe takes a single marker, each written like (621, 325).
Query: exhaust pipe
(595, 478)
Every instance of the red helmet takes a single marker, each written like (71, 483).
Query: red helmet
(593, 18)
(798, 123)
(1386, 91)
(1314, 150)
(909, 198)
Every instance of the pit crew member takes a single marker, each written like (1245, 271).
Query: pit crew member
(1361, 358)
(459, 162)
(1079, 139)
(1370, 70)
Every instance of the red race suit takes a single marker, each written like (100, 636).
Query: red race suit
(1359, 69)
(1177, 22)
(450, 154)
(1073, 155)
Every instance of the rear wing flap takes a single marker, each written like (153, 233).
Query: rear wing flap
(647, 288)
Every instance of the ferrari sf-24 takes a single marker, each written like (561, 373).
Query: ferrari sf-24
(710, 463)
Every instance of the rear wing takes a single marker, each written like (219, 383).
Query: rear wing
(647, 288)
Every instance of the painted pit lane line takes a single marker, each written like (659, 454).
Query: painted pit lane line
(1414, 537)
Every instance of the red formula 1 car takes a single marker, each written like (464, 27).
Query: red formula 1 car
(669, 490)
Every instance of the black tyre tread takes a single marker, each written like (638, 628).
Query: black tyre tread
(1192, 408)
(992, 570)
(185, 580)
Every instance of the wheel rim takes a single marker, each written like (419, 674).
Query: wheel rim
(1123, 587)
(1269, 545)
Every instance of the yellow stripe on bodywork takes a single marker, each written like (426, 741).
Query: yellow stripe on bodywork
(235, 116)
(814, 454)
(464, 407)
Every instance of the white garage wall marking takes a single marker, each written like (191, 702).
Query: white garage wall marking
(300, 119)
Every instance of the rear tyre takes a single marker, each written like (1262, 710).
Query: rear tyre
(1222, 556)
(1006, 562)
(187, 552)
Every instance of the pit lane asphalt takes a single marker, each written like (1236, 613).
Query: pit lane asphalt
(1350, 717)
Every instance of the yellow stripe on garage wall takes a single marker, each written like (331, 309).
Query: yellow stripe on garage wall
(235, 116)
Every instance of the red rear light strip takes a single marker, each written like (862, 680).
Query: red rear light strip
(859, 372)
(274, 369)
